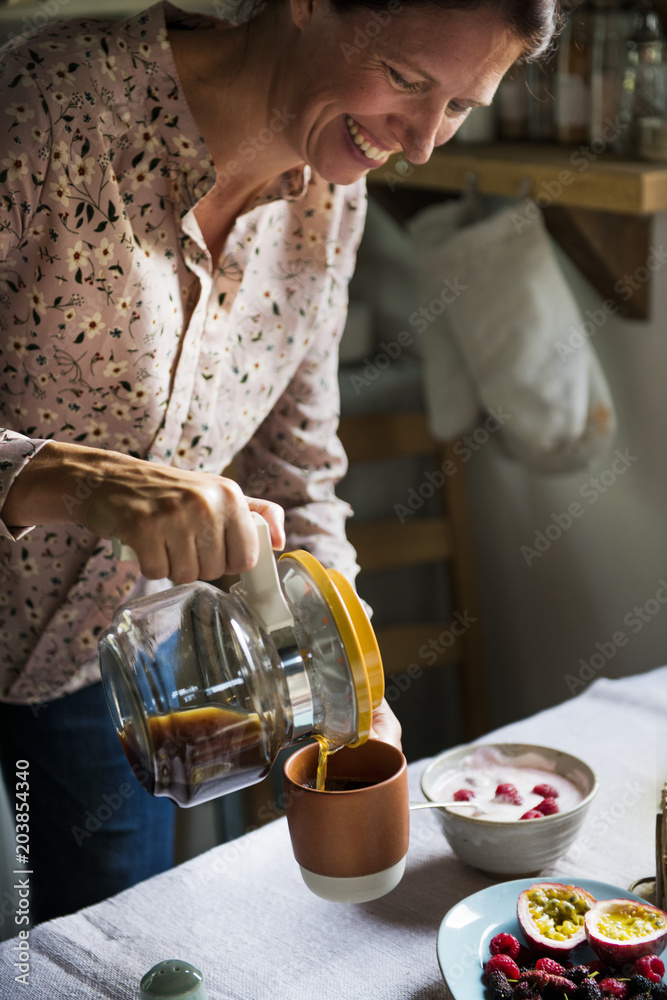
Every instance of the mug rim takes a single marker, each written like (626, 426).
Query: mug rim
(313, 750)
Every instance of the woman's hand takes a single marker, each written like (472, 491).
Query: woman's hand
(182, 525)
(386, 726)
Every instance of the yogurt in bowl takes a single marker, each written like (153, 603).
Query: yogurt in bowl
(488, 769)
(487, 830)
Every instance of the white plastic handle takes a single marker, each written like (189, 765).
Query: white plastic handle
(260, 587)
(123, 552)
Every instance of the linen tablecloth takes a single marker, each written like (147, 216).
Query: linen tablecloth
(243, 915)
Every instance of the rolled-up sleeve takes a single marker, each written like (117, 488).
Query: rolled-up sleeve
(16, 450)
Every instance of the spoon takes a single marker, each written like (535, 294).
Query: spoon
(441, 805)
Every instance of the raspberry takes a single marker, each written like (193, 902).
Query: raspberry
(505, 944)
(559, 984)
(547, 807)
(546, 791)
(650, 966)
(532, 814)
(499, 986)
(463, 795)
(508, 793)
(614, 988)
(502, 963)
(551, 966)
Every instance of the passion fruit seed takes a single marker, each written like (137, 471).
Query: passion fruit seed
(555, 917)
(630, 924)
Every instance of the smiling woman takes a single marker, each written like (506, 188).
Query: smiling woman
(181, 200)
(362, 80)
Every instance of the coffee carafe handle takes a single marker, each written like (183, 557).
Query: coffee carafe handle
(260, 586)
(123, 552)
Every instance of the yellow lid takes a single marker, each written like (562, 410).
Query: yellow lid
(356, 634)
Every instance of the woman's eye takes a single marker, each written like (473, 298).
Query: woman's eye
(456, 110)
(400, 81)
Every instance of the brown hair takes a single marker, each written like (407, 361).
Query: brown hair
(534, 22)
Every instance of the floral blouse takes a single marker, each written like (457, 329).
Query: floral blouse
(103, 272)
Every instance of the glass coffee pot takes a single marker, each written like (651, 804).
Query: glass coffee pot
(205, 687)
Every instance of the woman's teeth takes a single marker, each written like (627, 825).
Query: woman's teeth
(366, 147)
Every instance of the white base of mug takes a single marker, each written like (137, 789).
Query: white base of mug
(360, 889)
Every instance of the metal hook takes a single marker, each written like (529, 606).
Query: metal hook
(526, 187)
(471, 185)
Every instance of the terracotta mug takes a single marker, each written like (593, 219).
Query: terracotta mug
(350, 843)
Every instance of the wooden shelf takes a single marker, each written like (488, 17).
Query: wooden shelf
(599, 208)
(552, 175)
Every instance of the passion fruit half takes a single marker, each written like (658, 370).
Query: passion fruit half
(622, 930)
(552, 918)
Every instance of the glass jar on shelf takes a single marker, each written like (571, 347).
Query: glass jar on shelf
(613, 24)
(573, 77)
(644, 94)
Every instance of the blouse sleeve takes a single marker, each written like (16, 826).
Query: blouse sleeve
(24, 163)
(295, 458)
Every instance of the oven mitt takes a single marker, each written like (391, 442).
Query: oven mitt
(511, 314)
(451, 401)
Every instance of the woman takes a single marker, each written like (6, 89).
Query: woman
(181, 203)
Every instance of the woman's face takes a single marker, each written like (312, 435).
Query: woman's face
(402, 79)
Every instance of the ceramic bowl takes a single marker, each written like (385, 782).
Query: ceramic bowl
(511, 847)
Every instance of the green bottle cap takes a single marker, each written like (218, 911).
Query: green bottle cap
(173, 979)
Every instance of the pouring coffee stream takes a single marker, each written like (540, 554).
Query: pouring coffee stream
(205, 687)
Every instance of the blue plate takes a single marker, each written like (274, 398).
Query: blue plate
(465, 932)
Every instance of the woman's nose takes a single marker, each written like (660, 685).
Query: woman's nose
(419, 133)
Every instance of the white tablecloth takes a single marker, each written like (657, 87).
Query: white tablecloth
(242, 914)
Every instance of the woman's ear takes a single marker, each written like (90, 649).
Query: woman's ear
(303, 11)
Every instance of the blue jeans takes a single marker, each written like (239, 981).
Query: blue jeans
(93, 829)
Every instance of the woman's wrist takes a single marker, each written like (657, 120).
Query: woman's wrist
(54, 485)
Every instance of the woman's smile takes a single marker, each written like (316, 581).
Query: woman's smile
(365, 142)
(362, 146)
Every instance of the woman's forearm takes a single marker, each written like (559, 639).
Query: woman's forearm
(182, 524)
(55, 484)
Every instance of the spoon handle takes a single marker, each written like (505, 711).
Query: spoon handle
(439, 805)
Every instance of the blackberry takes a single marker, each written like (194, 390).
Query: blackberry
(525, 991)
(659, 991)
(499, 986)
(578, 973)
(639, 986)
(587, 989)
